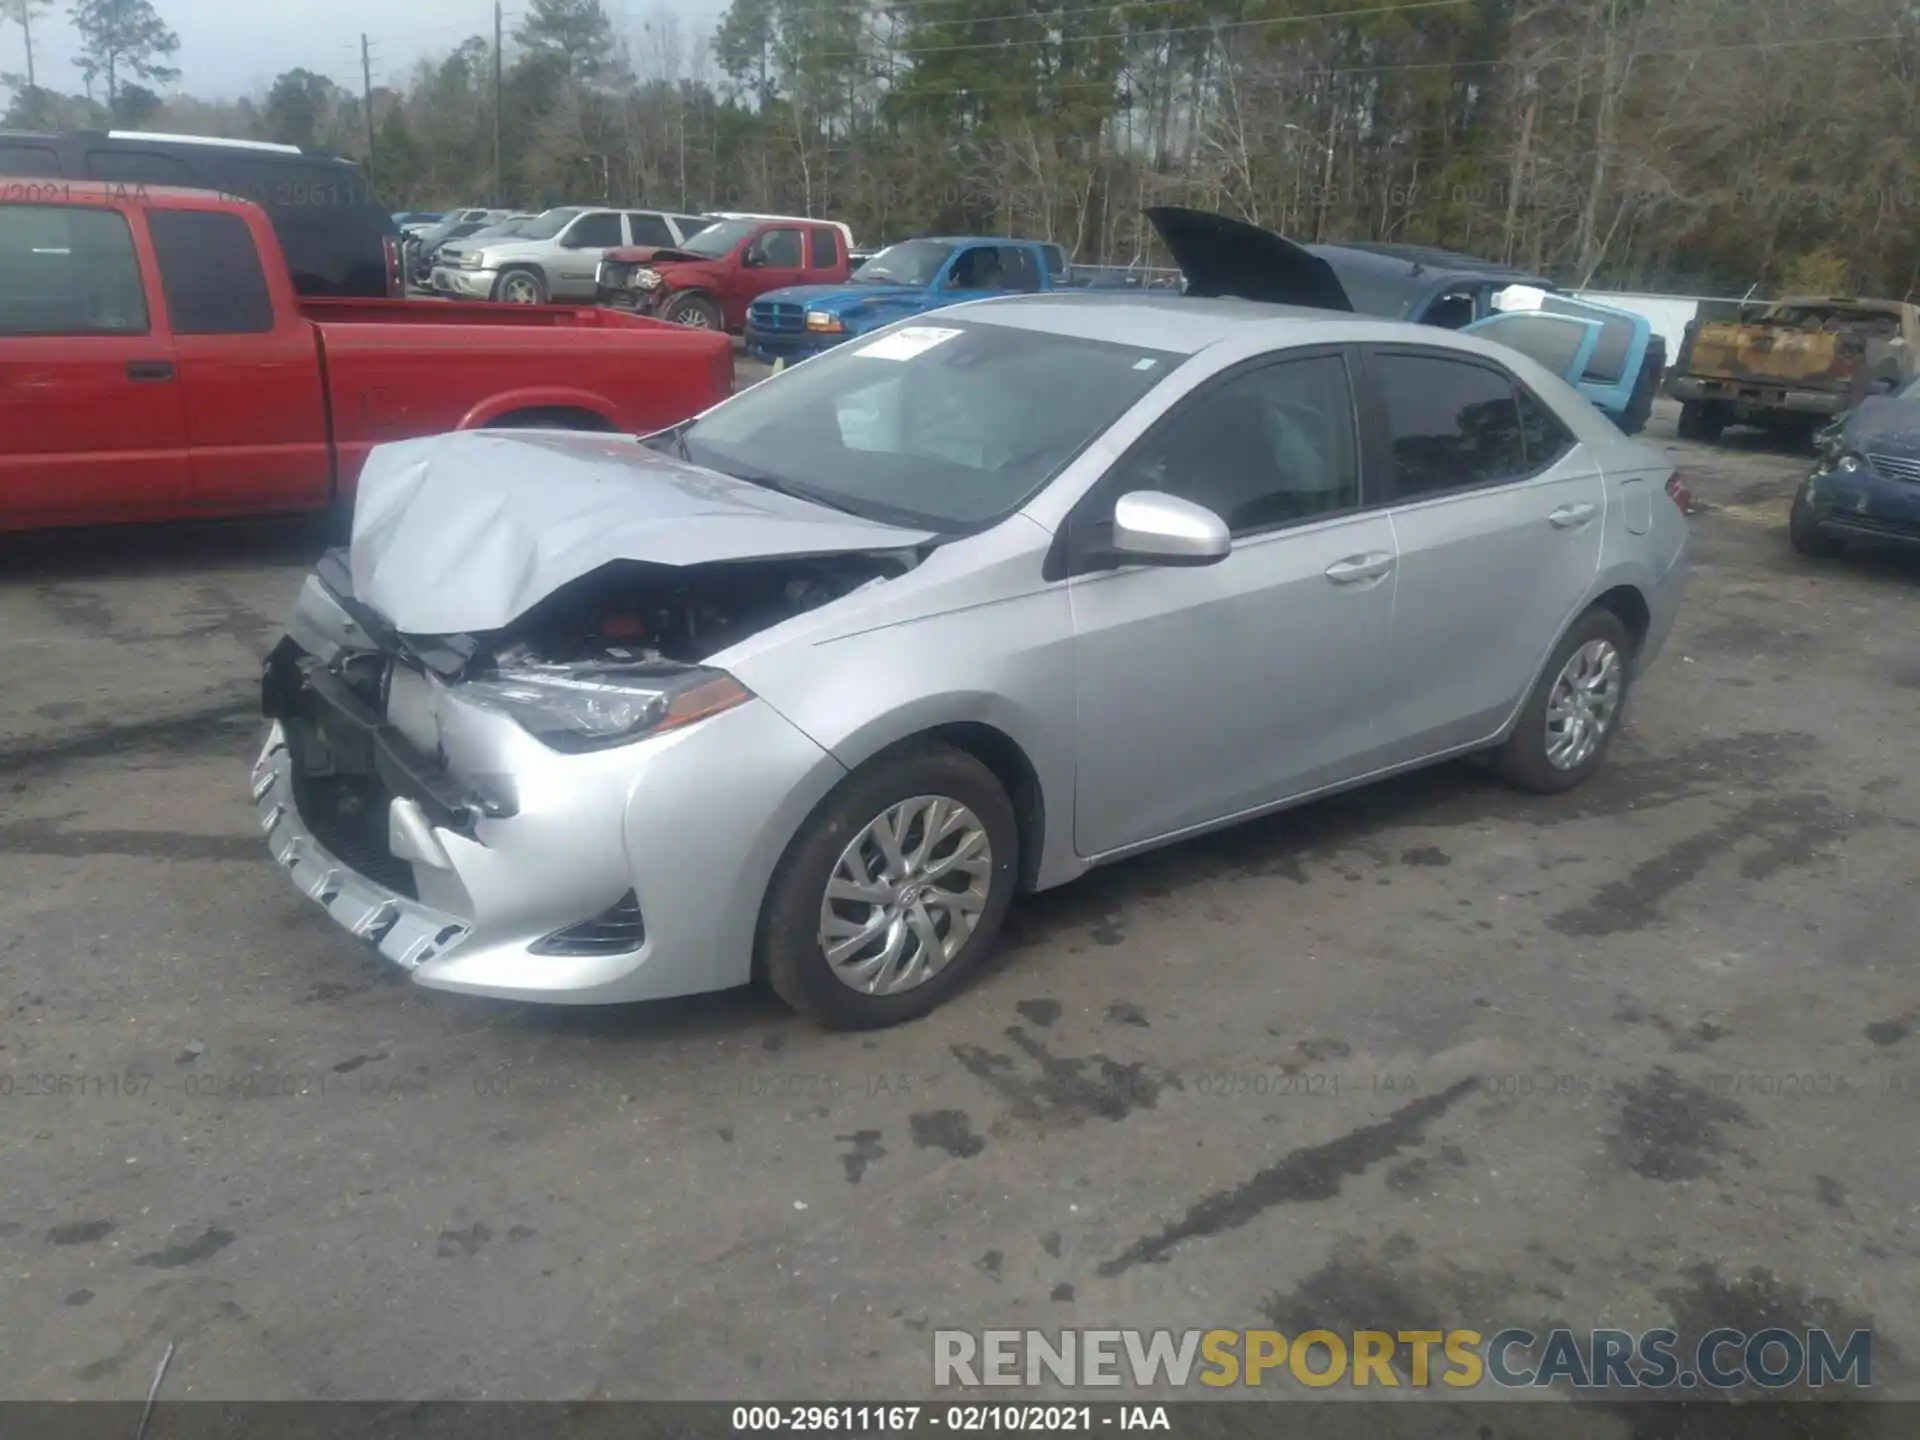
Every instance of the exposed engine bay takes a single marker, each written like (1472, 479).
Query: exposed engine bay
(639, 613)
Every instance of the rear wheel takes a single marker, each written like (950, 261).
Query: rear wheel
(698, 312)
(1701, 420)
(1575, 708)
(893, 892)
(520, 287)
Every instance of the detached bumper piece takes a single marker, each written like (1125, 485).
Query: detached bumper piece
(399, 927)
(617, 930)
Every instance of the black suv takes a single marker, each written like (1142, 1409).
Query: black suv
(338, 238)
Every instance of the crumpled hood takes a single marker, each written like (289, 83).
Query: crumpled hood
(837, 298)
(1889, 426)
(466, 532)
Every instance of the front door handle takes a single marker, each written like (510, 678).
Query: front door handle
(1356, 568)
(1571, 517)
(150, 370)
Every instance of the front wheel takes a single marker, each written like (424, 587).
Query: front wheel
(893, 892)
(1570, 718)
(520, 287)
(1803, 533)
(697, 312)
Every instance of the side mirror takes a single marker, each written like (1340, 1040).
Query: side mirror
(752, 258)
(1151, 527)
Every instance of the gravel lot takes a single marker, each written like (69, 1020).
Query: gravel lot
(1433, 1053)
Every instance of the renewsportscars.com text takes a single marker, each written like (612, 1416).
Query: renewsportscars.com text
(1459, 1359)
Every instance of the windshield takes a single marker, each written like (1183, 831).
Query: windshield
(547, 225)
(913, 262)
(717, 240)
(931, 426)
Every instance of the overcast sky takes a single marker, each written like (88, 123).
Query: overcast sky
(229, 49)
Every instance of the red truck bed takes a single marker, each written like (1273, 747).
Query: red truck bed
(155, 363)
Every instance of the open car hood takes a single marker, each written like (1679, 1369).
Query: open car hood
(1228, 258)
(464, 533)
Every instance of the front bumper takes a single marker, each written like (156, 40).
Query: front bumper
(791, 346)
(622, 297)
(467, 284)
(1760, 399)
(471, 852)
(1863, 504)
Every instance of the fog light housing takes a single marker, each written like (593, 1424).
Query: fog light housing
(617, 930)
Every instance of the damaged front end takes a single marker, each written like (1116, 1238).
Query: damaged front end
(462, 802)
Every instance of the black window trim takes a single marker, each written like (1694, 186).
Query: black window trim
(1377, 424)
(1065, 561)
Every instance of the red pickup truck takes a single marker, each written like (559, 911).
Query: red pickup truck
(155, 363)
(709, 282)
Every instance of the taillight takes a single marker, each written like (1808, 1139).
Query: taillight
(1678, 492)
(396, 281)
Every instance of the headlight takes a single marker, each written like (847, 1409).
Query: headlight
(645, 279)
(577, 708)
(473, 260)
(821, 320)
(1849, 464)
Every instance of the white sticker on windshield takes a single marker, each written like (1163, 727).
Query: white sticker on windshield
(907, 343)
(1146, 363)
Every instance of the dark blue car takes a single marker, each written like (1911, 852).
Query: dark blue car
(1866, 485)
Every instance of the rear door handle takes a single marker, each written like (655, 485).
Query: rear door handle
(1571, 517)
(150, 370)
(1356, 568)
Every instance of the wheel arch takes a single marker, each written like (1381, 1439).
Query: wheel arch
(1625, 599)
(546, 398)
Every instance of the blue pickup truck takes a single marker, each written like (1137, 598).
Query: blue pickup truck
(903, 280)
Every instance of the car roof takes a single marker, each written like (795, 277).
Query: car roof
(1182, 324)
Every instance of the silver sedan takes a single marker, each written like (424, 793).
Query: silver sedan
(809, 688)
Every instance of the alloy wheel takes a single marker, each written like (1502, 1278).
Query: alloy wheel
(694, 316)
(1583, 704)
(905, 895)
(519, 290)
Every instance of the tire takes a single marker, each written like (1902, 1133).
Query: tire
(1803, 533)
(1527, 760)
(696, 312)
(520, 286)
(792, 954)
(1700, 420)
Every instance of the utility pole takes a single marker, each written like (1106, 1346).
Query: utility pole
(24, 13)
(366, 95)
(496, 104)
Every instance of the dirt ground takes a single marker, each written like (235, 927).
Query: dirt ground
(1433, 1053)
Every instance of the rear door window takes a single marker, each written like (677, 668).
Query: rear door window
(826, 248)
(1452, 424)
(68, 270)
(210, 271)
(648, 228)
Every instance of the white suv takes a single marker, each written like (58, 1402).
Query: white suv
(557, 256)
